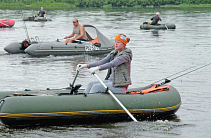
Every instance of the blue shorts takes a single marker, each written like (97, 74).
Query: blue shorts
(79, 40)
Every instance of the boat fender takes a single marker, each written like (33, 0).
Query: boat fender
(154, 89)
(25, 44)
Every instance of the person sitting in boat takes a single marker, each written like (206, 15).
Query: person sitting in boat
(118, 63)
(78, 31)
(41, 13)
(156, 19)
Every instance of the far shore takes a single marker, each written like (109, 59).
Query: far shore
(62, 6)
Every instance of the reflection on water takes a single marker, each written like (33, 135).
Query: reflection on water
(155, 33)
(7, 29)
(156, 54)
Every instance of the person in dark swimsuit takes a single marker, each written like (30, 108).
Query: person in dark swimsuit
(156, 19)
(41, 13)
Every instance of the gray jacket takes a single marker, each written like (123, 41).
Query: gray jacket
(121, 73)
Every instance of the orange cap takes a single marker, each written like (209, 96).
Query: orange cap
(121, 38)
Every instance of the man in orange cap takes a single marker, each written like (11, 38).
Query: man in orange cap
(118, 63)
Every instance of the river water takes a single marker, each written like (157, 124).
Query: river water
(156, 55)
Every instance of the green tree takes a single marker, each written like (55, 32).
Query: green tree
(144, 3)
(80, 3)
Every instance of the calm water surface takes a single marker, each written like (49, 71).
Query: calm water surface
(157, 54)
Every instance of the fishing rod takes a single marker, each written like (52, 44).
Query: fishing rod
(167, 80)
(172, 19)
(173, 74)
(24, 24)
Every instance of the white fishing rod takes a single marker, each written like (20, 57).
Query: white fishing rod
(172, 19)
(173, 74)
(168, 80)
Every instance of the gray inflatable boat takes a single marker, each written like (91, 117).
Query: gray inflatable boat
(38, 19)
(159, 26)
(96, 44)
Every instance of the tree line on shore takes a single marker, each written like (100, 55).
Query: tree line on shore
(113, 3)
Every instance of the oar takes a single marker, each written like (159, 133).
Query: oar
(116, 99)
(165, 25)
(169, 21)
(27, 34)
(4, 24)
(72, 85)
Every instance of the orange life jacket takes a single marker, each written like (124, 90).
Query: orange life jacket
(95, 40)
(155, 88)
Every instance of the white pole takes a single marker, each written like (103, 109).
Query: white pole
(116, 99)
(4, 24)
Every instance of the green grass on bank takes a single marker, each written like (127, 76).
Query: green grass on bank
(36, 6)
(188, 5)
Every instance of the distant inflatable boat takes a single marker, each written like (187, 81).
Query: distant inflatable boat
(7, 23)
(159, 26)
(61, 107)
(38, 19)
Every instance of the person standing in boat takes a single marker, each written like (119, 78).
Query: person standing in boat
(41, 13)
(118, 63)
(78, 31)
(156, 19)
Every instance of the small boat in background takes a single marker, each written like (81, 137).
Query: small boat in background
(6, 23)
(38, 19)
(96, 44)
(147, 25)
